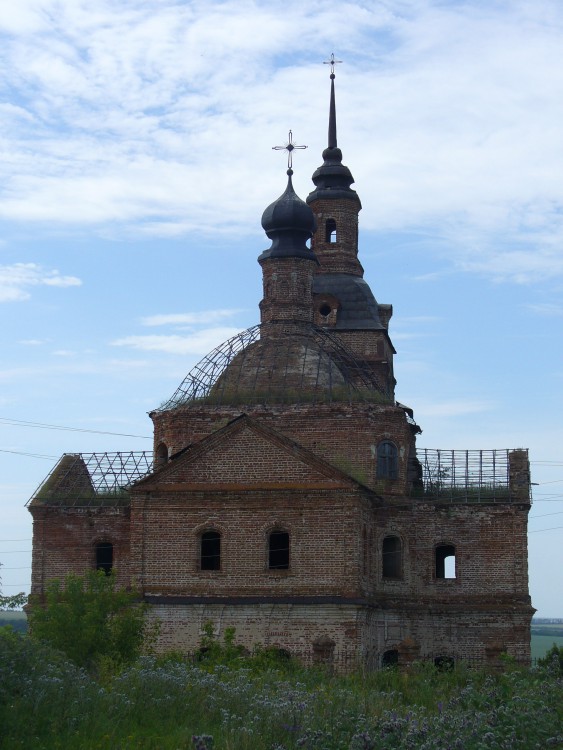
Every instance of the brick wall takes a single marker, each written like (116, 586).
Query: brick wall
(65, 538)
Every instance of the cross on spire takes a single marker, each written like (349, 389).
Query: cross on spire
(290, 148)
(332, 62)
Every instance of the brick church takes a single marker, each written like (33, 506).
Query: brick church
(286, 497)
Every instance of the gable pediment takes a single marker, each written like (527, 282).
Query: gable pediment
(246, 455)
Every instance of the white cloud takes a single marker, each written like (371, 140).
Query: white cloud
(448, 116)
(549, 309)
(200, 342)
(199, 318)
(16, 280)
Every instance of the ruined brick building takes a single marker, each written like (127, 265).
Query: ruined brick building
(285, 495)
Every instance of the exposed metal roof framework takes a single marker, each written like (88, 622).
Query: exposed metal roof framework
(298, 363)
(104, 479)
(93, 479)
(466, 475)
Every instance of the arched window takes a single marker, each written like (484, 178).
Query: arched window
(390, 658)
(278, 550)
(104, 557)
(445, 561)
(387, 460)
(330, 230)
(210, 551)
(161, 455)
(392, 554)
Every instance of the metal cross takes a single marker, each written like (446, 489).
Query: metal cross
(332, 62)
(290, 148)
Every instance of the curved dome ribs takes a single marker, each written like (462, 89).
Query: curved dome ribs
(283, 362)
(198, 383)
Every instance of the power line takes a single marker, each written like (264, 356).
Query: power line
(550, 529)
(44, 426)
(30, 455)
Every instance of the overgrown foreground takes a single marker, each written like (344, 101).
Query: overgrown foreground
(47, 702)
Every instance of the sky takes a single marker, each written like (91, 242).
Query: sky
(135, 163)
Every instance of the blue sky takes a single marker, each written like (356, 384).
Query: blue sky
(136, 160)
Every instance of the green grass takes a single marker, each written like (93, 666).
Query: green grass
(47, 703)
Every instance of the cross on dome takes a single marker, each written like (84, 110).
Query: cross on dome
(332, 62)
(290, 148)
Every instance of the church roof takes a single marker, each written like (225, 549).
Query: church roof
(358, 306)
(283, 362)
(289, 223)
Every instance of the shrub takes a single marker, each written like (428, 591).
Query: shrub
(553, 660)
(97, 625)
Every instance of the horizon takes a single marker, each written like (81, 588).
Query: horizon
(138, 160)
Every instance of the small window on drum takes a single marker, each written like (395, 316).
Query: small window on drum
(330, 230)
(278, 550)
(104, 557)
(387, 456)
(210, 551)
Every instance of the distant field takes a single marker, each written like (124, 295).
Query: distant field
(17, 620)
(544, 635)
(542, 643)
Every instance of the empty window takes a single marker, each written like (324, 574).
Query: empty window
(330, 231)
(390, 658)
(445, 561)
(392, 563)
(387, 460)
(210, 551)
(278, 550)
(104, 557)
(161, 456)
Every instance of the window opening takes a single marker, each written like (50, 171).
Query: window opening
(278, 550)
(445, 561)
(104, 557)
(325, 309)
(392, 562)
(390, 658)
(387, 460)
(161, 455)
(210, 553)
(330, 230)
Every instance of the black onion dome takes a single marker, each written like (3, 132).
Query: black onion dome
(289, 223)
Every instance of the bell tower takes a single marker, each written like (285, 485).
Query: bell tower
(335, 205)
(342, 300)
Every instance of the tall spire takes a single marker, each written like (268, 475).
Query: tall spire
(332, 179)
(332, 142)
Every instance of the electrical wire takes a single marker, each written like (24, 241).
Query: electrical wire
(30, 455)
(45, 426)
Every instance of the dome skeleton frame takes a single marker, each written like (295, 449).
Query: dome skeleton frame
(328, 371)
